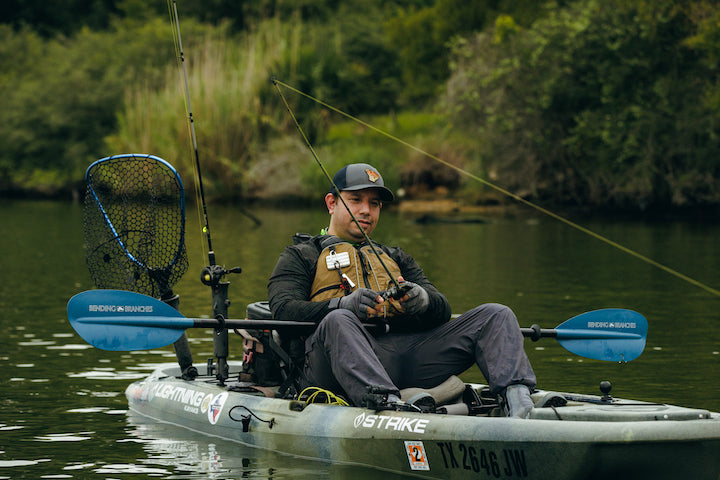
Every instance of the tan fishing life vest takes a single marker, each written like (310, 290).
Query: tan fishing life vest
(342, 268)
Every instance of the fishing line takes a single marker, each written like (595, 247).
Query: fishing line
(394, 281)
(199, 191)
(497, 188)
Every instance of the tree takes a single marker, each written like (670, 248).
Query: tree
(594, 104)
(58, 17)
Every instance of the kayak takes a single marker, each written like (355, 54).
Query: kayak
(464, 435)
(587, 437)
(467, 435)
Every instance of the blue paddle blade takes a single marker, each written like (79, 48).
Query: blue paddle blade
(121, 320)
(612, 334)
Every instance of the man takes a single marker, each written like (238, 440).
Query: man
(335, 279)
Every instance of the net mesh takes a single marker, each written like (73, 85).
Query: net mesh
(134, 224)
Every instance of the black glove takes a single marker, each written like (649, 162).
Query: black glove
(357, 302)
(418, 299)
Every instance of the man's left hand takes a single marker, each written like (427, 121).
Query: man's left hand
(416, 300)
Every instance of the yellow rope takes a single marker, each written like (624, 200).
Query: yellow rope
(320, 395)
(509, 194)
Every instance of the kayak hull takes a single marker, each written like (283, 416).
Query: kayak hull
(584, 439)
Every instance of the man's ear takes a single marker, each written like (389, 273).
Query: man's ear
(330, 202)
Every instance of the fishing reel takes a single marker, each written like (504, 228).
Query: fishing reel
(213, 274)
(396, 291)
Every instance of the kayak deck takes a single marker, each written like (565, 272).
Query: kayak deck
(589, 437)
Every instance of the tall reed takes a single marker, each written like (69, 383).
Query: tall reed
(226, 76)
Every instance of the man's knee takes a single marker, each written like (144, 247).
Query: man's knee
(339, 320)
(496, 310)
(502, 311)
(494, 314)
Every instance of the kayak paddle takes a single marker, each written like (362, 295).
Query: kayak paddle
(613, 334)
(122, 320)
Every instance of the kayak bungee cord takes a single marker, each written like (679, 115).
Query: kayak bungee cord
(497, 188)
(396, 290)
(245, 419)
(321, 395)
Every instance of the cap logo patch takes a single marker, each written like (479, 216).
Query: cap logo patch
(372, 176)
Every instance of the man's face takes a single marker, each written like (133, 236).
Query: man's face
(364, 204)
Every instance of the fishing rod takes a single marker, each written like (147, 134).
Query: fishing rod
(175, 21)
(508, 193)
(397, 290)
(212, 274)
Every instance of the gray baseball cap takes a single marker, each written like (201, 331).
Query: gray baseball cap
(358, 176)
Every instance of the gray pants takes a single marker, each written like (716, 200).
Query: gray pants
(342, 356)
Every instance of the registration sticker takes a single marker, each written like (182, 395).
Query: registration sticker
(416, 456)
(216, 406)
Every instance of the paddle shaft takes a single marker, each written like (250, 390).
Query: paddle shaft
(535, 333)
(183, 323)
(531, 332)
(233, 323)
(252, 324)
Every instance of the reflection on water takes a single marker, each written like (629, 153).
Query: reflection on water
(186, 455)
(63, 412)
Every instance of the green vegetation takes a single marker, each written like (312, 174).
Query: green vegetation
(590, 103)
(62, 97)
(619, 110)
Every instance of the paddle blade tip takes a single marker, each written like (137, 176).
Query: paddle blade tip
(117, 320)
(609, 334)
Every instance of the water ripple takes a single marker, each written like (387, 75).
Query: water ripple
(21, 463)
(36, 343)
(107, 375)
(121, 468)
(7, 428)
(64, 437)
(70, 346)
(78, 466)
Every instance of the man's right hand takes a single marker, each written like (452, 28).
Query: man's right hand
(362, 302)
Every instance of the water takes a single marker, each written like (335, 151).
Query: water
(63, 413)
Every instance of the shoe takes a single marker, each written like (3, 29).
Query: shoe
(447, 392)
(551, 399)
(421, 402)
(190, 373)
(518, 403)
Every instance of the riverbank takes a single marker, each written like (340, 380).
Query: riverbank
(442, 208)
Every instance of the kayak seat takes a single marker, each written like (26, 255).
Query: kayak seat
(270, 359)
(259, 311)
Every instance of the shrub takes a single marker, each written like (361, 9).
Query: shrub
(594, 104)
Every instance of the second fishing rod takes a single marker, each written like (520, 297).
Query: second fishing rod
(397, 289)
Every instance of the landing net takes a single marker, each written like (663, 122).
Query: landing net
(134, 222)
